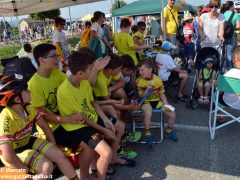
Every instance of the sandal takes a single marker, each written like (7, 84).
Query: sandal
(200, 100)
(206, 100)
(182, 98)
(110, 171)
(129, 163)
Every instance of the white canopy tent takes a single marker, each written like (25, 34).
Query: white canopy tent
(22, 7)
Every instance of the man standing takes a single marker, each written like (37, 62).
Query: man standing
(171, 19)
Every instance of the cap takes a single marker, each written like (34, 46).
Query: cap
(167, 46)
(209, 59)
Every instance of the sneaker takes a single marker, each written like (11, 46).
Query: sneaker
(132, 136)
(172, 135)
(127, 153)
(149, 141)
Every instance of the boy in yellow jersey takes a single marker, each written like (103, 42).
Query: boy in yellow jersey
(156, 99)
(18, 149)
(124, 43)
(75, 95)
(44, 84)
(138, 37)
(109, 82)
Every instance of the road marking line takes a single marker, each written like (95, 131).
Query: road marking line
(191, 127)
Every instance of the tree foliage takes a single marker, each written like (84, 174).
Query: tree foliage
(47, 14)
(118, 4)
(2, 27)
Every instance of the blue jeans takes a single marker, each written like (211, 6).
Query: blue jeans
(229, 48)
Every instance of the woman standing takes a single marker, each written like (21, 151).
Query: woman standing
(211, 26)
(97, 31)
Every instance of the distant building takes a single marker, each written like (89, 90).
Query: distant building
(28, 23)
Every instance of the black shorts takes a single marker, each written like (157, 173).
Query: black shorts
(112, 119)
(72, 139)
(174, 76)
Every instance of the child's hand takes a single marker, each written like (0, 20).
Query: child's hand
(77, 118)
(100, 63)
(109, 125)
(133, 106)
(150, 85)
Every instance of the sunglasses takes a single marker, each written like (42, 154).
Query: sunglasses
(213, 7)
(54, 56)
(62, 24)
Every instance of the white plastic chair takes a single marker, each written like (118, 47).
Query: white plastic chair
(224, 84)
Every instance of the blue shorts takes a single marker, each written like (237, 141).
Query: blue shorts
(189, 49)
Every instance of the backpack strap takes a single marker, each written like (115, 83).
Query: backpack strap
(230, 18)
(173, 17)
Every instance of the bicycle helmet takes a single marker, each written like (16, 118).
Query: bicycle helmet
(10, 87)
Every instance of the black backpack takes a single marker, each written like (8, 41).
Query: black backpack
(22, 66)
(228, 27)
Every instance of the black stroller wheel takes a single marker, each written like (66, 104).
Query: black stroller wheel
(188, 103)
(194, 105)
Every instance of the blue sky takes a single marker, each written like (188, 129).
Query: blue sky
(81, 10)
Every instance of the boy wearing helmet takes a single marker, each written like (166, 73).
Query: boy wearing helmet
(205, 79)
(18, 149)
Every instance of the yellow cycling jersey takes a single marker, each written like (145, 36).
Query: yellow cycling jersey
(14, 129)
(158, 87)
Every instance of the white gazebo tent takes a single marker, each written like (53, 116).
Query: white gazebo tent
(22, 7)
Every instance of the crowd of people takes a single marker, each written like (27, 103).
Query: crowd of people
(82, 100)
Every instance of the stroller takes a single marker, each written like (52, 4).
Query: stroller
(203, 53)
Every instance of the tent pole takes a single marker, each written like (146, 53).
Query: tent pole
(12, 28)
(70, 20)
(16, 15)
(163, 21)
(19, 30)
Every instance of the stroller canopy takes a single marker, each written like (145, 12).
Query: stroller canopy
(205, 53)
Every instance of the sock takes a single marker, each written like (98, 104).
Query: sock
(168, 130)
(147, 132)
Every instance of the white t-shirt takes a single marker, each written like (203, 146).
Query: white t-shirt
(211, 29)
(165, 64)
(59, 36)
(100, 33)
(30, 56)
(232, 100)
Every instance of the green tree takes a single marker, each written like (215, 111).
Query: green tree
(47, 14)
(2, 27)
(118, 4)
